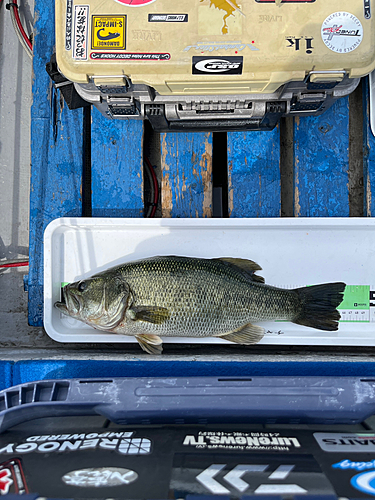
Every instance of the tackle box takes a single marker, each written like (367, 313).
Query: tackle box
(212, 64)
(189, 438)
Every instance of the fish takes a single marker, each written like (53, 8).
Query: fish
(177, 296)
(110, 35)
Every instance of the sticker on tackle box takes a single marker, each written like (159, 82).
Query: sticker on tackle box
(342, 32)
(81, 21)
(108, 32)
(344, 442)
(68, 24)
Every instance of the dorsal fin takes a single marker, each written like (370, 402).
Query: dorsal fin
(246, 265)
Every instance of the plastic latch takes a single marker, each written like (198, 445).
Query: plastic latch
(327, 77)
(111, 84)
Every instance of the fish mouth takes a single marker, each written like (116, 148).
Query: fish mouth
(69, 303)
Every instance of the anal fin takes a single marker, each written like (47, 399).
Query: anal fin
(246, 335)
(150, 343)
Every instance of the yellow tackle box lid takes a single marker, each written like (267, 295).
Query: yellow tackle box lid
(213, 46)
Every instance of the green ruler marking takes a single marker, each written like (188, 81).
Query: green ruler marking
(356, 304)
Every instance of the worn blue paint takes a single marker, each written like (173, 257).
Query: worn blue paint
(117, 167)
(186, 163)
(321, 163)
(29, 371)
(254, 174)
(368, 154)
(56, 156)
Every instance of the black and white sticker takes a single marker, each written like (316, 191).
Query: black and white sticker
(80, 41)
(121, 442)
(342, 32)
(100, 477)
(264, 474)
(367, 7)
(217, 65)
(68, 24)
(344, 442)
(168, 18)
(261, 441)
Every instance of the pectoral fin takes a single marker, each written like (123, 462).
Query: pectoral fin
(150, 343)
(246, 335)
(151, 314)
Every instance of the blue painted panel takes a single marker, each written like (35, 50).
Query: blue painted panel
(117, 167)
(56, 156)
(186, 164)
(254, 174)
(321, 163)
(368, 154)
(29, 371)
(6, 374)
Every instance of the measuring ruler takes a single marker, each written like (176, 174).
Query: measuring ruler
(358, 304)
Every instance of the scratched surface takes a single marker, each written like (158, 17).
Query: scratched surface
(56, 156)
(186, 166)
(116, 167)
(254, 174)
(321, 163)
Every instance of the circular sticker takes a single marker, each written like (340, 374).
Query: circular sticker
(364, 482)
(135, 3)
(342, 32)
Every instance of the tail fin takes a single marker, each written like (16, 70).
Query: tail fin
(319, 303)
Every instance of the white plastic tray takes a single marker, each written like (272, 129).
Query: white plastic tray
(292, 252)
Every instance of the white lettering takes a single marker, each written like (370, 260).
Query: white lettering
(295, 442)
(284, 441)
(227, 440)
(240, 440)
(191, 440)
(264, 441)
(253, 441)
(108, 444)
(26, 447)
(8, 448)
(92, 443)
(67, 445)
(76, 436)
(50, 446)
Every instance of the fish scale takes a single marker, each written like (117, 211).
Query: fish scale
(213, 297)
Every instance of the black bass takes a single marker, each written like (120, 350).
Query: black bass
(188, 297)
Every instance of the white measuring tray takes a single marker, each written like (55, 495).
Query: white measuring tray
(292, 252)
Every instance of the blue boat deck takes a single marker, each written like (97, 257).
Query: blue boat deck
(306, 167)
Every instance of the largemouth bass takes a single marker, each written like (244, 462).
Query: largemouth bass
(189, 297)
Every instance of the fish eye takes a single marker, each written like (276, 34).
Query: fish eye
(82, 286)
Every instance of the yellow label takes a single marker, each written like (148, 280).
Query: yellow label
(108, 32)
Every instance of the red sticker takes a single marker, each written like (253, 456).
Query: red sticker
(5, 481)
(12, 478)
(135, 3)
